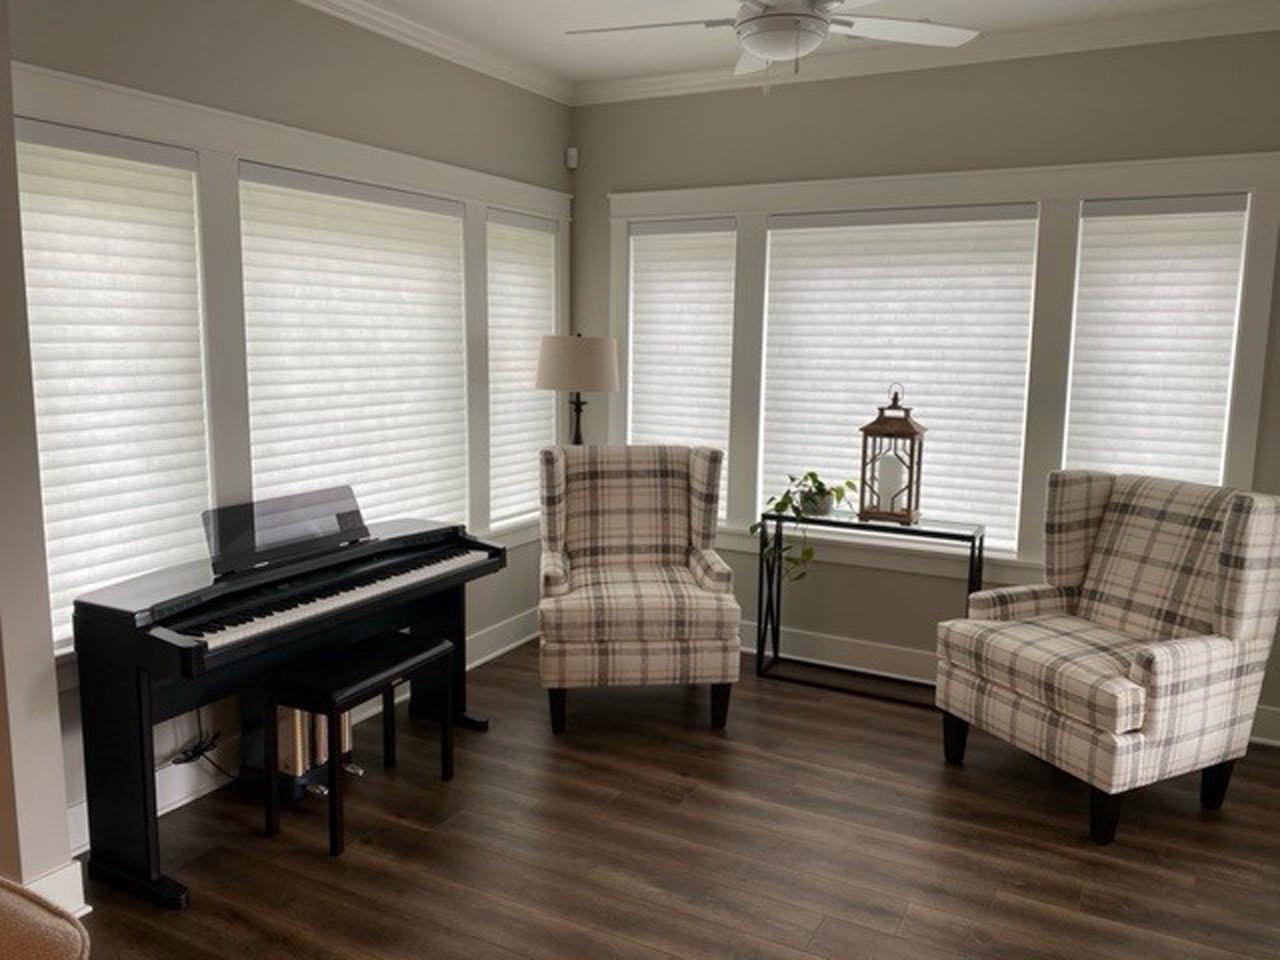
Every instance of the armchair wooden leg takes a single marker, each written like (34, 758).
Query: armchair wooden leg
(1213, 784)
(955, 734)
(1104, 815)
(558, 699)
(720, 704)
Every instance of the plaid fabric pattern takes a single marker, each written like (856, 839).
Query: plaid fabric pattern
(1155, 561)
(636, 663)
(709, 571)
(1022, 602)
(1109, 761)
(551, 523)
(626, 505)
(1073, 667)
(632, 592)
(661, 603)
(1247, 600)
(555, 574)
(1179, 600)
(1077, 499)
(704, 496)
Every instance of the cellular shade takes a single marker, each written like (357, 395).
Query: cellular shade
(942, 307)
(1157, 299)
(682, 339)
(522, 309)
(354, 338)
(113, 303)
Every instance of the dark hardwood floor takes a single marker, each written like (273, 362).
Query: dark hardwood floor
(816, 825)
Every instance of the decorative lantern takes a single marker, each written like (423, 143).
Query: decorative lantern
(892, 445)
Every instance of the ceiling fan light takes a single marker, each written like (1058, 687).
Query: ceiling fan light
(782, 37)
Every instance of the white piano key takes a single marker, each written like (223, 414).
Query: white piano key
(339, 601)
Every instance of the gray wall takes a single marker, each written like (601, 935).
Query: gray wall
(282, 61)
(1197, 97)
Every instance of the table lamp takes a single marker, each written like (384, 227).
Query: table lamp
(579, 365)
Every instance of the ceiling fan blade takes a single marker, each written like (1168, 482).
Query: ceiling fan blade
(654, 26)
(749, 63)
(836, 6)
(904, 31)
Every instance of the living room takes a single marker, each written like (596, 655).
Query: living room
(1039, 240)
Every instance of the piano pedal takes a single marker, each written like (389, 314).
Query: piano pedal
(354, 769)
(317, 789)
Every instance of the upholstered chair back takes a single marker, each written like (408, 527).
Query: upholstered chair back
(1162, 559)
(629, 505)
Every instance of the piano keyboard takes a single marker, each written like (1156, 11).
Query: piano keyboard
(220, 634)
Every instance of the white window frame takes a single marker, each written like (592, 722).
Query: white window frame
(1058, 192)
(93, 114)
(516, 530)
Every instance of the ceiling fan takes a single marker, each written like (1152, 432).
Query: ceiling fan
(779, 30)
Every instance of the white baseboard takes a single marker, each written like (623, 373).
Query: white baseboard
(1266, 726)
(904, 663)
(868, 656)
(180, 784)
(64, 887)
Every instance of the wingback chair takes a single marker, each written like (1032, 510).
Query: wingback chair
(632, 593)
(1142, 655)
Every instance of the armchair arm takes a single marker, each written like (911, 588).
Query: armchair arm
(709, 571)
(555, 573)
(1198, 687)
(1018, 603)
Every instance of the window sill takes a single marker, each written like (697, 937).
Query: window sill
(881, 553)
(515, 533)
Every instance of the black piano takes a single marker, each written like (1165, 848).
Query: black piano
(286, 577)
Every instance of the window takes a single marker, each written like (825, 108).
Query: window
(113, 302)
(354, 339)
(522, 307)
(682, 280)
(938, 301)
(1157, 297)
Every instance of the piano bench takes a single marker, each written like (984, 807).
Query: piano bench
(331, 683)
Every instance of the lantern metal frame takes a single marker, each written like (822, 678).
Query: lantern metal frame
(893, 433)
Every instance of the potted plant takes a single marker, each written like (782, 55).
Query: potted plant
(805, 496)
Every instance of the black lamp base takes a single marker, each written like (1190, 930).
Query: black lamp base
(576, 403)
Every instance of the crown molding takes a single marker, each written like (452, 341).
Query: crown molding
(1246, 16)
(371, 15)
(1252, 16)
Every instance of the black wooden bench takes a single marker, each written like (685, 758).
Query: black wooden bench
(331, 683)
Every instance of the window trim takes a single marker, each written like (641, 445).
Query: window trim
(1058, 193)
(102, 117)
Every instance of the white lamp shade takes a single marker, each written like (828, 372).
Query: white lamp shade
(585, 364)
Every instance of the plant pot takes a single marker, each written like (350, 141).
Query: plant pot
(816, 506)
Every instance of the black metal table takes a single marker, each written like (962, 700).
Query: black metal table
(772, 574)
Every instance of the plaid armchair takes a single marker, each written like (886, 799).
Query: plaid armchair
(632, 593)
(1142, 655)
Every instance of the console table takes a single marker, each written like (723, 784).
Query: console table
(772, 575)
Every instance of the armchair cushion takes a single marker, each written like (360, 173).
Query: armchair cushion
(1069, 665)
(663, 604)
(1022, 602)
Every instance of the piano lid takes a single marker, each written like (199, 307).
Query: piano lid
(135, 598)
(281, 529)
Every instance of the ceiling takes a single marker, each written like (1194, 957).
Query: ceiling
(523, 41)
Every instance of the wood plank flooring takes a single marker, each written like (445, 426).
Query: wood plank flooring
(816, 825)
